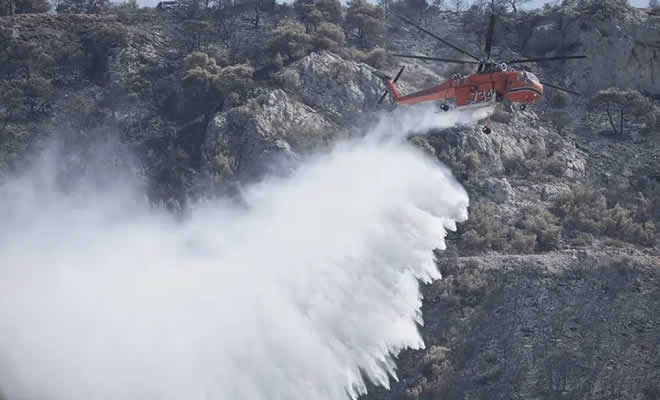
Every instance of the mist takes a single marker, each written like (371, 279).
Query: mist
(302, 292)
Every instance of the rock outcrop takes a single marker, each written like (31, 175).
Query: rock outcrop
(339, 89)
(623, 49)
(244, 142)
(563, 325)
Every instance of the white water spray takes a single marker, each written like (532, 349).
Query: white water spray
(290, 298)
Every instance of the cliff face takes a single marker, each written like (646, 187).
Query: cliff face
(623, 50)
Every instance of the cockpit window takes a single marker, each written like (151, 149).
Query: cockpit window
(529, 77)
(532, 78)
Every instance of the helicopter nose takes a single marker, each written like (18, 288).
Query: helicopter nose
(539, 87)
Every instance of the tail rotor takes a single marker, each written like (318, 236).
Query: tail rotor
(386, 79)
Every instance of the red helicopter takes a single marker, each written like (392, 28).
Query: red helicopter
(493, 82)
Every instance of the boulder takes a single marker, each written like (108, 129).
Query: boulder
(553, 191)
(244, 142)
(499, 190)
(338, 88)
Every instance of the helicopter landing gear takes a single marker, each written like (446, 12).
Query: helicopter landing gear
(486, 130)
(444, 107)
(523, 107)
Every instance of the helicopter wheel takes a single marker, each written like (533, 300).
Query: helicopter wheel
(444, 107)
(486, 130)
(523, 107)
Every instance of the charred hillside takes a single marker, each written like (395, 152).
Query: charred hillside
(551, 284)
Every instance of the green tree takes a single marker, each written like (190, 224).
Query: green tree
(365, 23)
(32, 6)
(308, 13)
(81, 6)
(413, 9)
(11, 7)
(331, 10)
(619, 107)
(291, 41)
(329, 37)
(207, 86)
(197, 31)
(97, 44)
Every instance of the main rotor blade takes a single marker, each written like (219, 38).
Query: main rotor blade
(448, 60)
(526, 60)
(436, 37)
(382, 97)
(396, 78)
(561, 88)
(491, 31)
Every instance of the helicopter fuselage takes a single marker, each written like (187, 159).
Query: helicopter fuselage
(514, 86)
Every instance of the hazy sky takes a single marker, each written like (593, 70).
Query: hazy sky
(532, 4)
(539, 3)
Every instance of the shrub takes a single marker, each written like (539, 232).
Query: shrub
(290, 79)
(470, 283)
(31, 6)
(224, 166)
(543, 225)
(582, 209)
(377, 57)
(81, 6)
(619, 223)
(585, 209)
(554, 166)
(291, 41)
(341, 71)
(357, 55)
(23, 99)
(472, 162)
(329, 37)
(207, 85)
(522, 242)
(535, 229)
(483, 229)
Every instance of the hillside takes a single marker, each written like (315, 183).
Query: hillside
(549, 287)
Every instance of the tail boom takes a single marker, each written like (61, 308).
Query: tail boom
(442, 91)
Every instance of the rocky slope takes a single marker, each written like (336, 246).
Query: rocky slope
(574, 325)
(536, 301)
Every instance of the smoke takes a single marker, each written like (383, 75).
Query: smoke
(307, 287)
